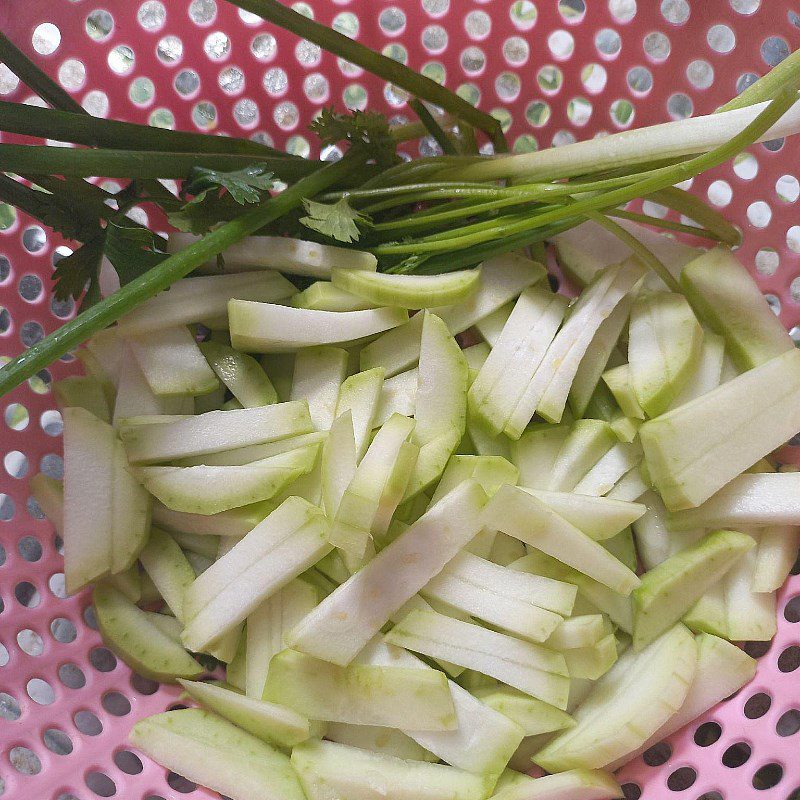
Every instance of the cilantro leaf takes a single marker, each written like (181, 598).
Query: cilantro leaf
(202, 213)
(243, 185)
(79, 271)
(218, 196)
(367, 130)
(337, 220)
(130, 248)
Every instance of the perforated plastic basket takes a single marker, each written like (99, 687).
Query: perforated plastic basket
(554, 71)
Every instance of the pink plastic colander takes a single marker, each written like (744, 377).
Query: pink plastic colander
(554, 72)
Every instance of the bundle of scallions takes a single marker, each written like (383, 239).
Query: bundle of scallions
(427, 215)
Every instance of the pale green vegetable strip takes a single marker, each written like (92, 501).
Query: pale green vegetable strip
(318, 375)
(398, 396)
(533, 716)
(554, 596)
(707, 373)
(84, 391)
(210, 490)
(547, 391)
(515, 356)
(361, 694)
(597, 356)
(215, 431)
(241, 373)
(289, 541)
(483, 739)
(725, 297)
(749, 499)
(324, 296)
(199, 299)
(664, 348)
(211, 751)
(270, 722)
(283, 254)
(618, 607)
(172, 363)
(491, 327)
(502, 279)
(751, 616)
(385, 741)
(574, 784)
(240, 456)
(168, 568)
(361, 504)
(360, 394)
(600, 518)
(441, 403)
(490, 471)
(588, 441)
(269, 328)
(267, 626)
(526, 518)
(632, 701)
(342, 624)
(609, 469)
(530, 668)
(327, 769)
(693, 451)
(89, 481)
(535, 452)
(579, 631)
(130, 633)
(777, 552)
(339, 461)
(722, 669)
(409, 291)
(235, 522)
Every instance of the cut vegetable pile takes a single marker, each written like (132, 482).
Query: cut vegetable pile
(404, 521)
(396, 601)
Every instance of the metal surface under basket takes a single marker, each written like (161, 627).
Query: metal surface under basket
(555, 72)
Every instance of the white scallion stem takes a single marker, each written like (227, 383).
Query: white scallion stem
(665, 141)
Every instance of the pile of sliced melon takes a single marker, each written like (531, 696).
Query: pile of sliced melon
(424, 568)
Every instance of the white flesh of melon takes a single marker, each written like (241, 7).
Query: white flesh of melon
(342, 624)
(270, 328)
(200, 299)
(172, 363)
(502, 279)
(88, 492)
(318, 375)
(215, 753)
(215, 431)
(529, 667)
(281, 253)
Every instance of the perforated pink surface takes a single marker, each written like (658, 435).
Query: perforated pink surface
(555, 71)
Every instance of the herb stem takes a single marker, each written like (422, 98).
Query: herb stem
(167, 272)
(433, 127)
(668, 140)
(80, 128)
(376, 63)
(664, 224)
(141, 164)
(767, 86)
(33, 77)
(48, 209)
(649, 183)
(693, 207)
(641, 252)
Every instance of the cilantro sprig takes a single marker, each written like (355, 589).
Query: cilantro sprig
(337, 220)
